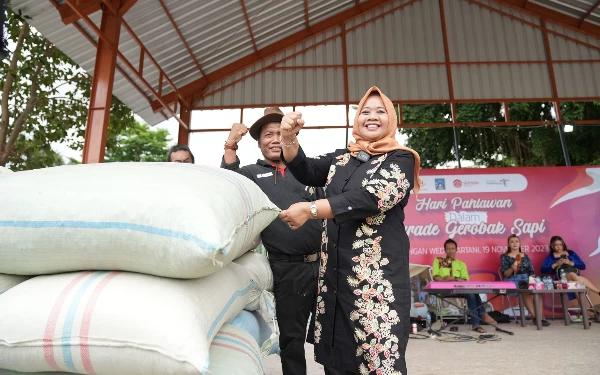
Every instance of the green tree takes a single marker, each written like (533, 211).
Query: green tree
(433, 144)
(45, 98)
(584, 142)
(35, 158)
(499, 145)
(139, 143)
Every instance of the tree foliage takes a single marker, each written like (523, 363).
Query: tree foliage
(496, 146)
(139, 143)
(45, 98)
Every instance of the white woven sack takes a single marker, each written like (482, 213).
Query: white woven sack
(9, 281)
(253, 323)
(110, 323)
(260, 273)
(166, 219)
(233, 351)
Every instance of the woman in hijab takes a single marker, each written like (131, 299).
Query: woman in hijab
(363, 302)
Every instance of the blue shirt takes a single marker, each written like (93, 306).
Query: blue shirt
(550, 260)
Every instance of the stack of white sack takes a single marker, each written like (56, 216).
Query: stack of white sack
(233, 351)
(261, 302)
(117, 322)
(165, 219)
(9, 281)
(261, 294)
(179, 226)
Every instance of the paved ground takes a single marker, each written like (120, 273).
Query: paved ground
(555, 350)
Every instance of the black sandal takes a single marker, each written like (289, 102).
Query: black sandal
(479, 329)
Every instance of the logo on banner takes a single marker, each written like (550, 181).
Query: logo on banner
(464, 183)
(440, 184)
(474, 183)
(502, 182)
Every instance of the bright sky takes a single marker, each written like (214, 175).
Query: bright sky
(208, 146)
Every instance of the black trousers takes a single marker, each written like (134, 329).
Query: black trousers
(295, 289)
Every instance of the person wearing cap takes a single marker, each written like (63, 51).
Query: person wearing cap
(293, 255)
(362, 318)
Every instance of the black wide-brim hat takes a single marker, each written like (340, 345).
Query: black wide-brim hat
(266, 119)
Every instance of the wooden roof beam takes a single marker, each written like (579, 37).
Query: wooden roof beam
(589, 13)
(198, 86)
(306, 15)
(248, 25)
(87, 7)
(126, 5)
(553, 16)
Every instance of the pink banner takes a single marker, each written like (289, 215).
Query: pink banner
(480, 208)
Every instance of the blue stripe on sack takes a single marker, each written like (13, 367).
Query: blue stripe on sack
(111, 225)
(237, 294)
(70, 319)
(242, 344)
(144, 228)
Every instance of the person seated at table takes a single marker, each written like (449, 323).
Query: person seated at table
(517, 267)
(449, 268)
(561, 258)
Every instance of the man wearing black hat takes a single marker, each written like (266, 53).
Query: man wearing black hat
(293, 254)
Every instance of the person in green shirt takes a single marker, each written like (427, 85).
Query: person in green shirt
(449, 268)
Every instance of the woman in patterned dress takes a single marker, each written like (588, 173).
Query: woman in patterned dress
(517, 267)
(363, 303)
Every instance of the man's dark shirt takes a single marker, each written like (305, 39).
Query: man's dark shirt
(283, 190)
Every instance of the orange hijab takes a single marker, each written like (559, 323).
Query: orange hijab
(386, 144)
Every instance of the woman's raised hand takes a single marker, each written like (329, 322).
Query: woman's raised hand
(291, 124)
